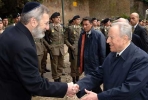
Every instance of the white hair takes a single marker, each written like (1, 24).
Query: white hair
(124, 28)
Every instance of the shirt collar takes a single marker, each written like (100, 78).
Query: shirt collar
(122, 50)
(135, 25)
(88, 32)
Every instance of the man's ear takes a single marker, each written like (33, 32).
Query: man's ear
(33, 22)
(126, 38)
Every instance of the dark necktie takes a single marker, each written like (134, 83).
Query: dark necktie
(117, 55)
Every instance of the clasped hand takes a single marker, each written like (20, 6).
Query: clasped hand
(72, 89)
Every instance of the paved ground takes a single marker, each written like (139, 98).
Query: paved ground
(66, 78)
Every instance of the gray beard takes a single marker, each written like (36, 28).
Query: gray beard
(38, 33)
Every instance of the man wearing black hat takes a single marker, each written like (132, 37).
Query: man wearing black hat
(19, 74)
(56, 41)
(72, 34)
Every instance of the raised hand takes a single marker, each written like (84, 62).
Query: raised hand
(72, 89)
(90, 96)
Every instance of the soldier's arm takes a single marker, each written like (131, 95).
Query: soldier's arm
(66, 36)
(46, 44)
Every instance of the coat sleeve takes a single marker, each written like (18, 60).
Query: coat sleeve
(134, 83)
(26, 67)
(91, 81)
(102, 47)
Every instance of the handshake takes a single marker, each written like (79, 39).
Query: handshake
(72, 89)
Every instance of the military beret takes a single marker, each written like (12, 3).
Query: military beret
(15, 15)
(54, 15)
(70, 21)
(106, 20)
(4, 17)
(30, 6)
(75, 17)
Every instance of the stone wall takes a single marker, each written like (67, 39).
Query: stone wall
(139, 7)
(82, 8)
(109, 8)
(96, 8)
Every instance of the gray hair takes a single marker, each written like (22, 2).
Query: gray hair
(122, 20)
(36, 13)
(124, 28)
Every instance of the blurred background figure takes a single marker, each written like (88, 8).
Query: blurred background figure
(98, 23)
(5, 21)
(16, 18)
(1, 26)
(95, 24)
(106, 25)
(139, 30)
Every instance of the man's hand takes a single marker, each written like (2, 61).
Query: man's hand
(90, 96)
(72, 48)
(72, 89)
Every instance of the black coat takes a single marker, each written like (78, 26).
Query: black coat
(94, 50)
(138, 42)
(124, 77)
(142, 33)
(19, 75)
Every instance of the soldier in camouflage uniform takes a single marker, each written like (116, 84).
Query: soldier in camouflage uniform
(55, 39)
(72, 34)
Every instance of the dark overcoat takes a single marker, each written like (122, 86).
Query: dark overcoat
(19, 74)
(124, 77)
(94, 50)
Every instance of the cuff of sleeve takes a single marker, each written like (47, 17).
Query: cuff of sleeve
(101, 96)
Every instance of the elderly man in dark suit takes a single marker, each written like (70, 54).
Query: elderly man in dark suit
(139, 30)
(124, 72)
(19, 74)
